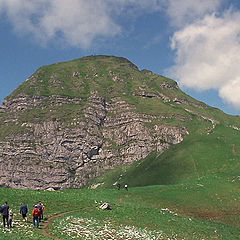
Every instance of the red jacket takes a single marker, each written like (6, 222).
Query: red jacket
(36, 212)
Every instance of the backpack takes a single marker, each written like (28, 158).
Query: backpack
(35, 212)
(43, 207)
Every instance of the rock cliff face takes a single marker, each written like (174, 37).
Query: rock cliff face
(38, 149)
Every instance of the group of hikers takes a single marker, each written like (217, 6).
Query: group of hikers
(37, 213)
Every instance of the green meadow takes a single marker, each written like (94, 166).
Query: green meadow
(204, 209)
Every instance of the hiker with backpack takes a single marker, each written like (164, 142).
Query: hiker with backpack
(23, 211)
(36, 214)
(41, 207)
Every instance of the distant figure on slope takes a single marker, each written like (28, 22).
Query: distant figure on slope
(126, 187)
(36, 213)
(118, 186)
(10, 217)
(23, 211)
(5, 212)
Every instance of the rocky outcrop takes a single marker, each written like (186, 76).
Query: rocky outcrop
(186, 102)
(51, 154)
(24, 102)
(70, 122)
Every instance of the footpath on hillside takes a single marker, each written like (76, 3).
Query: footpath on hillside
(48, 221)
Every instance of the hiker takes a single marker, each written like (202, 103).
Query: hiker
(126, 187)
(41, 208)
(10, 217)
(5, 212)
(36, 213)
(23, 211)
(118, 186)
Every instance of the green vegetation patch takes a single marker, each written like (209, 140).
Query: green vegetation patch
(203, 209)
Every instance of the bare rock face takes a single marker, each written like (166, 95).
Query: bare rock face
(105, 132)
(49, 155)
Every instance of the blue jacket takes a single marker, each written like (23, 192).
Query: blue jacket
(23, 209)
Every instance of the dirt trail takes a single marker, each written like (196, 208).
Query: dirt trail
(45, 224)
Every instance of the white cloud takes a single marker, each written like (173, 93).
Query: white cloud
(183, 12)
(78, 22)
(207, 55)
(230, 92)
(75, 22)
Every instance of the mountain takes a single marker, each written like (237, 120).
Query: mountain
(72, 122)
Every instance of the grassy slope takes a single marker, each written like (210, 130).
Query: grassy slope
(199, 155)
(203, 211)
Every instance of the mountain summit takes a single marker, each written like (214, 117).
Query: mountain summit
(70, 122)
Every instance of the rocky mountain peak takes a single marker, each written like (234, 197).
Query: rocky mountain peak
(70, 122)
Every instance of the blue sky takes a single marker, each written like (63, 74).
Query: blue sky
(196, 43)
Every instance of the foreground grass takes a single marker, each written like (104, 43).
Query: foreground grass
(204, 209)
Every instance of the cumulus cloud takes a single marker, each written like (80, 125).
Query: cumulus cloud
(75, 22)
(207, 55)
(183, 12)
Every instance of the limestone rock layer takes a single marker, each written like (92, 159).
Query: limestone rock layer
(70, 122)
